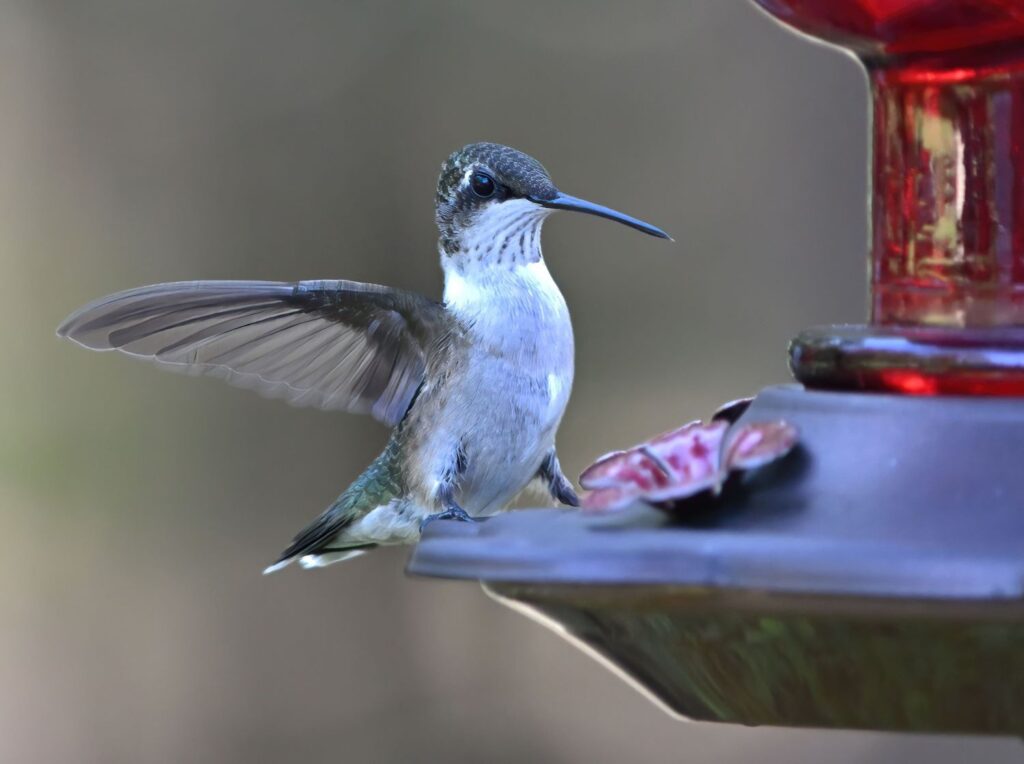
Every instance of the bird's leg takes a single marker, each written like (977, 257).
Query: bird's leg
(445, 495)
(558, 484)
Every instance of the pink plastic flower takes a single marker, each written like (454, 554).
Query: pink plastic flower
(676, 465)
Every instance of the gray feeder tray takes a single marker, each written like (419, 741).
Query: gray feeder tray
(873, 579)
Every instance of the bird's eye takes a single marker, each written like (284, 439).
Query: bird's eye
(482, 185)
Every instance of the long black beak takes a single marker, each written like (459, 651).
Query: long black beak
(565, 202)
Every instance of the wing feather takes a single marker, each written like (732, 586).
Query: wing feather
(339, 345)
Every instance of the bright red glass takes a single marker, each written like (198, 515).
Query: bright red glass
(948, 189)
(947, 206)
(896, 27)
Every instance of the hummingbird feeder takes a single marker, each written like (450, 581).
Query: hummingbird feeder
(872, 578)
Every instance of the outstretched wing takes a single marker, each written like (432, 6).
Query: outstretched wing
(331, 344)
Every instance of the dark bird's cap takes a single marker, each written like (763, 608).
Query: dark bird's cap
(521, 176)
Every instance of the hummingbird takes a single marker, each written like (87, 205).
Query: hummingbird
(474, 386)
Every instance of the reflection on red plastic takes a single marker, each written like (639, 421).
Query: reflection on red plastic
(911, 382)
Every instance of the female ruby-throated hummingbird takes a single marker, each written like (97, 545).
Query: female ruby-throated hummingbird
(474, 386)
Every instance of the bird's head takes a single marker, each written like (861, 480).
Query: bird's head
(492, 199)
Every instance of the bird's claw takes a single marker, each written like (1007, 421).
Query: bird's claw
(452, 513)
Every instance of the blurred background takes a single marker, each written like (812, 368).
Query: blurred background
(145, 142)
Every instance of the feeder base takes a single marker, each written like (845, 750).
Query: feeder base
(872, 579)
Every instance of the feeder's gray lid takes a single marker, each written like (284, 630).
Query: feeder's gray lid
(886, 496)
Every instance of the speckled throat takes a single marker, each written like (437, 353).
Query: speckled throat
(505, 234)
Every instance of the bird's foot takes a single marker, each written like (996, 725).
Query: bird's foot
(563, 492)
(451, 513)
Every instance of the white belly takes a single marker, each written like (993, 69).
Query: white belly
(508, 405)
(508, 436)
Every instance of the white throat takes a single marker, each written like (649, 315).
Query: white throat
(505, 234)
(520, 296)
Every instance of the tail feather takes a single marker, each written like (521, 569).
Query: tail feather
(328, 557)
(321, 559)
(318, 544)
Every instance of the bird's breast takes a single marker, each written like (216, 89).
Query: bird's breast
(517, 325)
